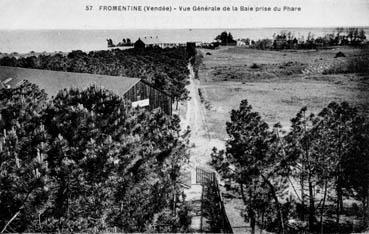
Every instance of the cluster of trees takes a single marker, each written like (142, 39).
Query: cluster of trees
(348, 36)
(166, 68)
(287, 40)
(85, 161)
(297, 181)
(225, 39)
(196, 62)
(124, 42)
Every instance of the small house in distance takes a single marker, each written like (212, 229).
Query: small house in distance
(138, 91)
(139, 44)
(147, 42)
(152, 42)
(243, 42)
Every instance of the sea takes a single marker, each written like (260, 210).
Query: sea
(25, 41)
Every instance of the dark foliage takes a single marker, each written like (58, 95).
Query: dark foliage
(166, 69)
(196, 62)
(321, 153)
(356, 64)
(86, 162)
(287, 40)
(340, 55)
(225, 39)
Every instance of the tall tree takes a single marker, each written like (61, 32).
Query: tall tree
(253, 159)
(225, 38)
(347, 132)
(356, 165)
(337, 120)
(23, 142)
(299, 148)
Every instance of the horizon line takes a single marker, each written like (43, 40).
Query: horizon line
(183, 28)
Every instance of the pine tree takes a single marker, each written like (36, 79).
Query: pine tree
(253, 160)
(86, 161)
(23, 143)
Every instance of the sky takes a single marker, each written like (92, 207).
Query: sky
(71, 14)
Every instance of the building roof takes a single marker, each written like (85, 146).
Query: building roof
(53, 81)
(150, 40)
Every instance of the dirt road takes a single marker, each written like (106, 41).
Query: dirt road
(200, 141)
(201, 144)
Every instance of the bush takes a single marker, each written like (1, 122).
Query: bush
(339, 55)
(357, 64)
(196, 62)
(264, 44)
(254, 66)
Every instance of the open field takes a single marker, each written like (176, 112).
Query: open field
(276, 83)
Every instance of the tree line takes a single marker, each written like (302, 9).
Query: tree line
(86, 161)
(166, 69)
(298, 181)
(125, 42)
(287, 40)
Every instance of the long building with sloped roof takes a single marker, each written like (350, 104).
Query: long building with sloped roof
(138, 91)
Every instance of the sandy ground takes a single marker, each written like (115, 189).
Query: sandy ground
(192, 114)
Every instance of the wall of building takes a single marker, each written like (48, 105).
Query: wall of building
(144, 95)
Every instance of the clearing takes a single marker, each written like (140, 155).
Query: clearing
(276, 83)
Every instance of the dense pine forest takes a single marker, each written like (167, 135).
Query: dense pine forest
(85, 161)
(314, 178)
(166, 68)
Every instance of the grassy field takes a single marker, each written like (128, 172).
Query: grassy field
(276, 83)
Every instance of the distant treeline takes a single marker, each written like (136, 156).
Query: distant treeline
(166, 68)
(124, 42)
(287, 40)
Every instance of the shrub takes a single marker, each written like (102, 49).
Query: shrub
(254, 66)
(340, 54)
(356, 64)
(264, 44)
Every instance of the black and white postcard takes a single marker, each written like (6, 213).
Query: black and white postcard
(184, 116)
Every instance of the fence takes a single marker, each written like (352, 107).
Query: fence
(206, 178)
